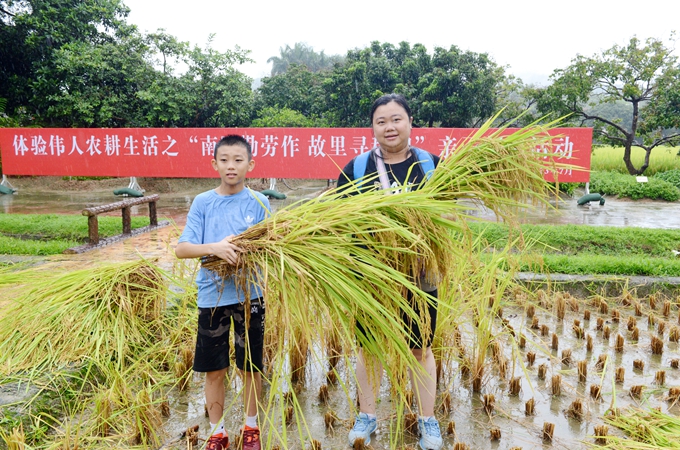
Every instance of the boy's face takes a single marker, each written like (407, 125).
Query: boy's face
(232, 164)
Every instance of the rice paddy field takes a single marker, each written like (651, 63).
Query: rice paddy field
(662, 159)
(98, 353)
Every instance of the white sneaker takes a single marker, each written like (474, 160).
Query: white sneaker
(430, 435)
(363, 428)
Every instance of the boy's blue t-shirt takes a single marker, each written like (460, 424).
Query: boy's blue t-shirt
(211, 218)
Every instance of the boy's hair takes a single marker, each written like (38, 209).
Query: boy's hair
(233, 139)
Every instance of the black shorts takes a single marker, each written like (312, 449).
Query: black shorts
(212, 338)
(412, 327)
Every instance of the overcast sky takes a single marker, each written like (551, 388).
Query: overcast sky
(531, 37)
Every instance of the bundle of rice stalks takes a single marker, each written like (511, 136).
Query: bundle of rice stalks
(355, 258)
(646, 429)
(103, 313)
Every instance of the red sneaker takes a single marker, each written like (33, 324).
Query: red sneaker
(250, 437)
(218, 442)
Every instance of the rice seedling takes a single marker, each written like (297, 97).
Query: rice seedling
(582, 370)
(502, 367)
(601, 432)
(460, 446)
(660, 377)
(635, 334)
(495, 434)
(555, 343)
(638, 309)
(638, 364)
(324, 396)
(606, 332)
(636, 391)
(451, 428)
(673, 395)
(575, 409)
(531, 358)
(651, 321)
(599, 324)
(576, 323)
(632, 323)
(620, 374)
(675, 363)
(515, 448)
(542, 369)
(411, 423)
(515, 385)
(445, 405)
(560, 305)
(661, 328)
(489, 402)
(604, 307)
(652, 301)
(579, 332)
(545, 330)
(522, 341)
(619, 343)
(586, 314)
(566, 357)
(674, 334)
(530, 311)
(666, 308)
(329, 420)
(315, 445)
(556, 385)
(656, 345)
(530, 407)
(595, 392)
(534, 323)
(183, 367)
(548, 431)
(589, 343)
(616, 315)
(601, 362)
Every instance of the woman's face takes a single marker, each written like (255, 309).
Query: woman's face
(392, 127)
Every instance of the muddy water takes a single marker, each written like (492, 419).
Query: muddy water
(472, 424)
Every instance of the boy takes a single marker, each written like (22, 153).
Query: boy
(214, 218)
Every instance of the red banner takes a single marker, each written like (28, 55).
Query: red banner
(309, 153)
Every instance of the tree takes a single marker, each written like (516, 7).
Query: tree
(644, 75)
(302, 54)
(451, 88)
(32, 32)
(297, 89)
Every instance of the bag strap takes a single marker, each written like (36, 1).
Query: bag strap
(423, 157)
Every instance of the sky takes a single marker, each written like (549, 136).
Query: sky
(532, 38)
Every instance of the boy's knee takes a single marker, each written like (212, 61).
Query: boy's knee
(216, 376)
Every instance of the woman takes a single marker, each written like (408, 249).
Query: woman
(398, 165)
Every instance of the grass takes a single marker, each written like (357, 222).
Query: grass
(610, 159)
(49, 234)
(582, 249)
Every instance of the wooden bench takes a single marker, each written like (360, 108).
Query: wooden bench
(125, 206)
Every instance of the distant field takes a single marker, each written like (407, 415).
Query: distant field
(661, 159)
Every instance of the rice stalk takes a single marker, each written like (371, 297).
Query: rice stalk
(645, 429)
(102, 313)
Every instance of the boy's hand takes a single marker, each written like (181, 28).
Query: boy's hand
(226, 250)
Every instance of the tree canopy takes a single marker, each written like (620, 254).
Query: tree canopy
(642, 74)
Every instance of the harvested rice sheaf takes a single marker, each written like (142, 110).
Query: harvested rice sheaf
(102, 313)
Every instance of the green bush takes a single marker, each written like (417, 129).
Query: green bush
(672, 176)
(613, 183)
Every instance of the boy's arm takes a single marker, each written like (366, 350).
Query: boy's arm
(223, 249)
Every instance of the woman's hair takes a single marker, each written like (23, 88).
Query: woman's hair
(385, 99)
